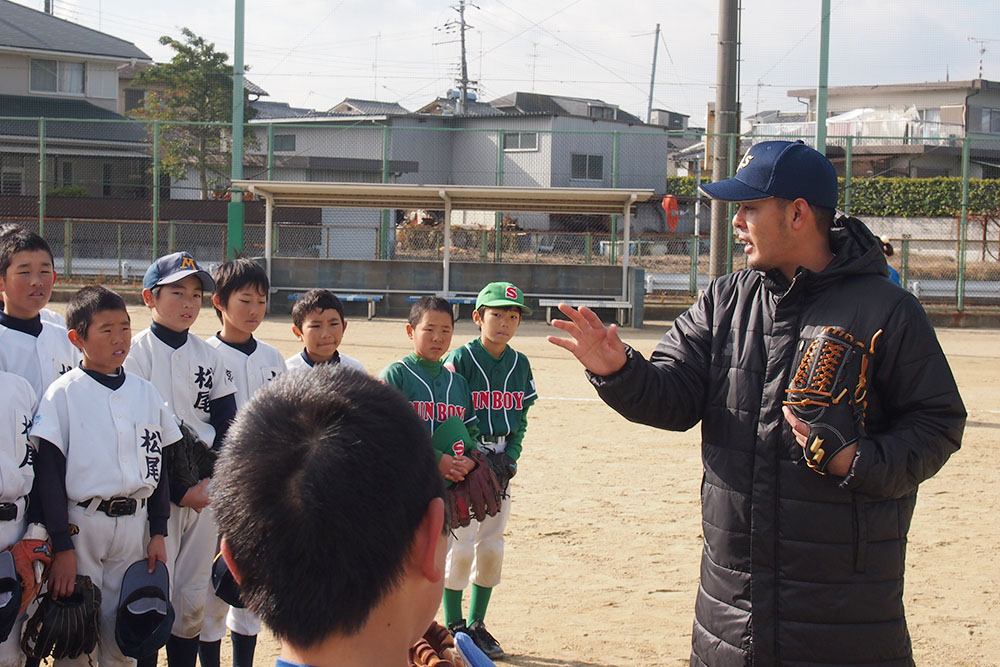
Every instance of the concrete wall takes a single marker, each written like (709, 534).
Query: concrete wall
(396, 280)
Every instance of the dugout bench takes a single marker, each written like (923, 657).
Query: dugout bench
(349, 297)
(623, 308)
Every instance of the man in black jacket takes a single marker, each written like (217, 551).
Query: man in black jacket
(797, 568)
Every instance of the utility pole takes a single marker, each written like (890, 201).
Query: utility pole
(463, 84)
(726, 124)
(824, 68)
(652, 76)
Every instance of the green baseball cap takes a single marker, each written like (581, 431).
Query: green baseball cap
(502, 295)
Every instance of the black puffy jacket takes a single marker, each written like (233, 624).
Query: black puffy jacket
(799, 568)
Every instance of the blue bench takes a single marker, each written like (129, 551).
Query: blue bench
(455, 301)
(372, 299)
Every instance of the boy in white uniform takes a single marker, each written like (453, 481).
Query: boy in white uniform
(191, 377)
(240, 300)
(17, 471)
(30, 346)
(47, 315)
(318, 321)
(100, 435)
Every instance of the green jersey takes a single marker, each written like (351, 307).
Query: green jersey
(435, 392)
(502, 390)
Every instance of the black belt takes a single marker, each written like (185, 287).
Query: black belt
(114, 507)
(8, 511)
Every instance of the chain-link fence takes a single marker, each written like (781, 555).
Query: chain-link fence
(109, 196)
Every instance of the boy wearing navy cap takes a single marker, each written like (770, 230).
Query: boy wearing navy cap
(191, 376)
(799, 564)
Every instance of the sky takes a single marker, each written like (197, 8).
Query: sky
(315, 53)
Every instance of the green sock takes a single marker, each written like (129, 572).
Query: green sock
(452, 606)
(479, 600)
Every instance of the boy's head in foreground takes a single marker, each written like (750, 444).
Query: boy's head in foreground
(498, 312)
(430, 327)
(318, 322)
(27, 272)
(100, 327)
(330, 506)
(173, 288)
(240, 299)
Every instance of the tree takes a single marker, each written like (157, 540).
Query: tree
(195, 91)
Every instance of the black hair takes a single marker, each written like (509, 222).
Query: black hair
(482, 309)
(18, 239)
(317, 299)
(88, 301)
(824, 218)
(428, 304)
(324, 478)
(236, 274)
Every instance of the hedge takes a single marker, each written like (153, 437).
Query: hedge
(898, 197)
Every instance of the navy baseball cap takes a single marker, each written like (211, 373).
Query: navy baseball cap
(145, 615)
(224, 583)
(173, 267)
(786, 169)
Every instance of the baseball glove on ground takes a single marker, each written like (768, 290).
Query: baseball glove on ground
(27, 553)
(189, 460)
(66, 627)
(477, 496)
(829, 393)
(504, 467)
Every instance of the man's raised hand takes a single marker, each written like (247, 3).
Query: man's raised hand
(596, 346)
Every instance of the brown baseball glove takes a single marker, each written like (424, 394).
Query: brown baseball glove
(475, 497)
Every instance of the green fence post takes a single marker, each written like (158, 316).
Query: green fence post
(42, 167)
(693, 271)
(68, 247)
(730, 209)
(171, 238)
(848, 153)
(270, 151)
(904, 260)
(484, 245)
(119, 245)
(589, 246)
(498, 216)
(964, 223)
(383, 225)
(156, 190)
(612, 255)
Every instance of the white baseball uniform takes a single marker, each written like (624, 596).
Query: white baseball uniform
(300, 361)
(17, 472)
(40, 358)
(112, 436)
(250, 367)
(189, 378)
(52, 317)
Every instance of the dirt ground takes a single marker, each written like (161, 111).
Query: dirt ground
(604, 540)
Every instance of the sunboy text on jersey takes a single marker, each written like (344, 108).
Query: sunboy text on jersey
(430, 411)
(498, 400)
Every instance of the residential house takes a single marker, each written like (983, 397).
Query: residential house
(910, 129)
(54, 69)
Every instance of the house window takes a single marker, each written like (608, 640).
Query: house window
(991, 121)
(607, 113)
(11, 182)
(134, 99)
(57, 76)
(587, 167)
(520, 141)
(284, 142)
(67, 173)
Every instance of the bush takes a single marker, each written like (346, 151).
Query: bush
(68, 191)
(898, 197)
